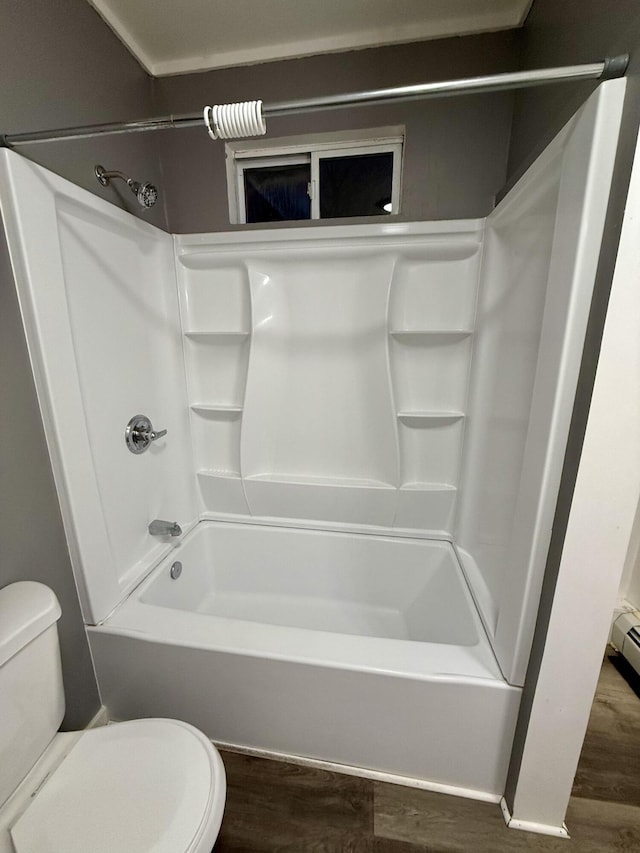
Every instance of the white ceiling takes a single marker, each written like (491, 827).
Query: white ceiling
(182, 36)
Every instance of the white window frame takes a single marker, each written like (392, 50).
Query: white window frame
(298, 149)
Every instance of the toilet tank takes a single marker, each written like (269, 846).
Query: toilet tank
(31, 693)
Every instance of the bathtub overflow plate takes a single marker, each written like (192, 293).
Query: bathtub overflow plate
(176, 570)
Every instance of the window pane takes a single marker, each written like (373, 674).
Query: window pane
(355, 186)
(276, 193)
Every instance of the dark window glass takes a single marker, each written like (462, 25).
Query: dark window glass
(277, 193)
(355, 186)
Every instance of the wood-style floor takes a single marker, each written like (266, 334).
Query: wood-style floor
(277, 806)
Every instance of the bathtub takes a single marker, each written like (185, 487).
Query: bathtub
(364, 651)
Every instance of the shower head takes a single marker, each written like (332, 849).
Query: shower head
(146, 194)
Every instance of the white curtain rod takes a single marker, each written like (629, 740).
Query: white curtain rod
(605, 70)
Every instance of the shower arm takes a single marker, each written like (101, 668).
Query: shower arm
(105, 177)
(605, 70)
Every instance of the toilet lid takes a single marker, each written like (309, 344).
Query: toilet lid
(146, 786)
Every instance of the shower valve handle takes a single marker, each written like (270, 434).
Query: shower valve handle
(153, 435)
(140, 433)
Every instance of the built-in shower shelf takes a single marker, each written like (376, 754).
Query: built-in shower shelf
(429, 417)
(207, 409)
(203, 336)
(430, 335)
(211, 473)
(308, 480)
(427, 487)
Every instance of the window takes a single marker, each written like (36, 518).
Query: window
(326, 176)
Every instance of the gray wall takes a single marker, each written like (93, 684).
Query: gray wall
(60, 65)
(566, 33)
(456, 148)
(555, 34)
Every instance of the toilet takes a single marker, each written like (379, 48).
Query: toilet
(144, 786)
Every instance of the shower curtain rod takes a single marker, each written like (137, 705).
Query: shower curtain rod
(605, 70)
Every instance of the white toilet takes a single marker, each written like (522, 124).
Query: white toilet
(146, 786)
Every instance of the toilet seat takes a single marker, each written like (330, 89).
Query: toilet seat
(145, 786)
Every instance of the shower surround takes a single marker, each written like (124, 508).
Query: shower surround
(326, 381)
(366, 431)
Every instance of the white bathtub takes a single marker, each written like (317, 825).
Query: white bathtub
(360, 650)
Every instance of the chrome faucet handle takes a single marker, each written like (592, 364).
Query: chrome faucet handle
(154, 436)
(140, 433)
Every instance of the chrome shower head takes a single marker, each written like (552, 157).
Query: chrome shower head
(146, 194)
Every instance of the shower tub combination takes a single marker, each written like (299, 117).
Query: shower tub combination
(366, 427)
(356, 649)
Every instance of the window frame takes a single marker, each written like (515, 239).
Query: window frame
(310, 148)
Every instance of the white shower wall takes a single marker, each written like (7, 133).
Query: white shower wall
(98, 299)
(541, 253)
(328, 370)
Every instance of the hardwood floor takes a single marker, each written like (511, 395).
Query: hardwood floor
(277, 806)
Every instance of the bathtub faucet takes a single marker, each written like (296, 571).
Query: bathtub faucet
(164, 528)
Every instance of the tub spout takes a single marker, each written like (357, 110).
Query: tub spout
(164, 528)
